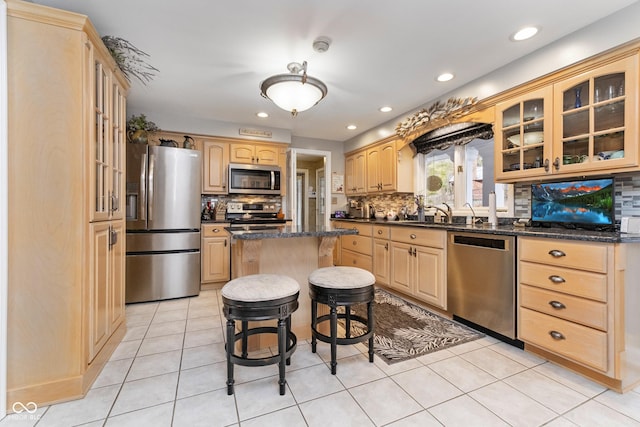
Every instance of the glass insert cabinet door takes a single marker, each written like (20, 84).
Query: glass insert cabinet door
(596, 122)
(523, 134)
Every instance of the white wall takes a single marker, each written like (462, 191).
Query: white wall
(609, 32)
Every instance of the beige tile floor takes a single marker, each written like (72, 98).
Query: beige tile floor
(170, 371)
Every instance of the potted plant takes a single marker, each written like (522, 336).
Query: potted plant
(138, 128)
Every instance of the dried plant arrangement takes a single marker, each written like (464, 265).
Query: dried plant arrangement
(436, 113)
(130, 59)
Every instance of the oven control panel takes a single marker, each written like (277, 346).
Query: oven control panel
(252, 208)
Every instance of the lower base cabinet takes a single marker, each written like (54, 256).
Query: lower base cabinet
(216, 254)
(579, 308)
(418, 264)
(106, 295)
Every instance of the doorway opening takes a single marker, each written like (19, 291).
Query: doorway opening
(307, 201)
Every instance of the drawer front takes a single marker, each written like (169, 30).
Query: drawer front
(574, 282)
(363, 229)
(580, 310)
(419, 236)
(354, 259)
(214, 230)
(587, 256)
(360, 244)
(578, 343)
(380, 232)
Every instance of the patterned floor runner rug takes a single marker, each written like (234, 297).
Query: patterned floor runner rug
(404, 330)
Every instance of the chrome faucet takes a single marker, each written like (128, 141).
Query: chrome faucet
(448, 213)
(473, 213)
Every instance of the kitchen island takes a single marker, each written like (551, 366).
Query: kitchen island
(294, 251)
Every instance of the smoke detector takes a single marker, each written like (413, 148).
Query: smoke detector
(321, 44)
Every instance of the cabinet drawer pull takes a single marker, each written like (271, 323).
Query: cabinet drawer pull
(414, 251)
(557, 305)
(556, 335)
(413, 236)
(379, 231)
(556, 279)
(410, 251)
(216, 230)
(557, 253)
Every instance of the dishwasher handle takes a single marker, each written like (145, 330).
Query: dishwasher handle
(483, 242)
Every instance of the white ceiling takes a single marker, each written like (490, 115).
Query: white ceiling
(212, 55)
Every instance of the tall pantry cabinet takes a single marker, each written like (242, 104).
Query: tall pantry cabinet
(66, 102)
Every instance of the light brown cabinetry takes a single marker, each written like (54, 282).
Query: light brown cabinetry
(582, 124)
(356, 249)
(215, 253)
(264, 154)
(381, 254)
(381, 167)
(215, 157)
(418, 264)
(65, 168)
(106, 296)
(574, 306)
(355, 173)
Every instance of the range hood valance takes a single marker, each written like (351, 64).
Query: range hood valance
(456, 134)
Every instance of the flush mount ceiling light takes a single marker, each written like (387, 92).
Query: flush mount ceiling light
(294, 92)
(444, 77)
(525, 33)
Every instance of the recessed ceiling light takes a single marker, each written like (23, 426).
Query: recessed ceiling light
(385, 109)
(444, 77)
(525, 33)
(262, 114)
(352, 127)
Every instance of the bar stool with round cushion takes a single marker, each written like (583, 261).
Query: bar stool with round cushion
(341, 287)
(260, 297)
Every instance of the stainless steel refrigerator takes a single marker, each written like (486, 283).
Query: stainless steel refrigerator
(163, 222)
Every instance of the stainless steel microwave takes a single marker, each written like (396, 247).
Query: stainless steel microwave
(254, 179)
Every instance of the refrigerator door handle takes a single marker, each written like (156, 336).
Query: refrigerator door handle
(143, 186)
(152, 162)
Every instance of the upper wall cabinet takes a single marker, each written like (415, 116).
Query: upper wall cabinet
(380, 168)
(586, 124)
(523, 132)
(267, 154)
(597, 120)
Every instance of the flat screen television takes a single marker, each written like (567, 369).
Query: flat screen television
(586, 203)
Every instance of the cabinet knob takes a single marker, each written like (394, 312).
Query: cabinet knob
(413, 236)
(556, 335)
(557, 305)
(556, 253)
(556, 279)
(216, 230)
(379, 231)
(354, 243)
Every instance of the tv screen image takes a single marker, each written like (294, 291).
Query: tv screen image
(576, 202)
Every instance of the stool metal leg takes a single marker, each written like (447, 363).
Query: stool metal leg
(231, 331)
(282, 349)
(314, 324)
(370, 328)
(288, 337)
(334, 336)
(245, 328)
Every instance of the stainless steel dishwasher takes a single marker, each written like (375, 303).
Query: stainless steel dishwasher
(481, 281)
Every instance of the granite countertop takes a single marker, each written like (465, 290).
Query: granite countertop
(511, 230)
(284, 231)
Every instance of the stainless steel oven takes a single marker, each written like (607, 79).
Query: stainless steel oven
(254, 179)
